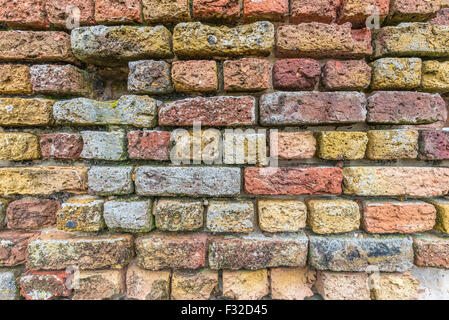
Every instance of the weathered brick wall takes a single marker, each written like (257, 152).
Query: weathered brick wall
(338, 188)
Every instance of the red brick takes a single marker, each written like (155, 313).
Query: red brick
(44, 285)
(314, 10)
(434, 145)
(58, 12)
(442, 17)
(32, 213)
(346, 75)
(215, 111)
(150, 145)
(405, 108)
(431, 251)
(397, 217)
(357, 11)
(321, 40)
(274, 10)
(228, 10)
(13, 247)
(60, 80)
(61, 145)
(159, 251)
(195, 75)
(248, 74)
(24, 14)
(296, 74)
(118, 11)
(293, 181)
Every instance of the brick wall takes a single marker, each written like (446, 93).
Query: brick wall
(176, 149)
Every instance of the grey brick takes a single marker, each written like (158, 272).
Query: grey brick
(101, 145)
(107, 181)
(128, 215)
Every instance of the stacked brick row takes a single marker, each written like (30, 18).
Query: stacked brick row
(339, 192)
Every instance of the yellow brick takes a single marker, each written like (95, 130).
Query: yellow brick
(15, 79)
(435, 76)
(81, 214)
(26, 112)
(396, 73)
(282, 215)
(333, 216)
(196, 146)
(392, 144)
(245, 285)
(442, 220)
(15, 146)
(394, 286)
(338, 145)
(42, 180)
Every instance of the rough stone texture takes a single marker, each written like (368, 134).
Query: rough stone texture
(195, 75)
(59, 14)
(342, 285)
(118, 45)
(28, 213)
(396, 73)
(149, 76)
(44, 285)
(291, 283)
(312, 108)
(282, 215)
(434, 145)
(333, 216)
(196, 145)
(320, 40)
(357, 12)
(13, 247)
(194, 39)
(139, 111)
(245, 285)
(215, 111)
(412, 39)
(81, 214)
(314, 10)
(394, 286)
(194, 285)
(357, 252)
(24, 14)
(15, 79)
(35, 46)
(339, 145)
(157, 251)
(405, 108)
(57, 250)
(15, 146)
(245, 147)
(293, 181)
(222, 10)
(412, 10)
(42, 180)
(165, 11)
(149, 145)
(8, 285)
(248, 74)
(230, 216)
(26, 112)
(435, 76)
(346, 75)
(387, 216)
(3, 206)
(392, 144)
(104, 145)
(394, 181)
(296, 74)
(273, 10)
(292, 145)
(99, 285)
(190, 181)
(433, 283)
(108, 181)
(441, 18)
(61, 145)
(178, 215)
(256, 251)
(118, 12)
(147, 285)
(431, 250)
(128, 215)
